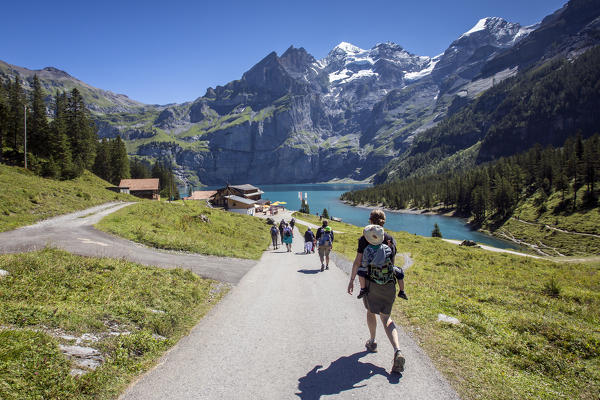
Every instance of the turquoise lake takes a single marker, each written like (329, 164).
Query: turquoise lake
(322, 196)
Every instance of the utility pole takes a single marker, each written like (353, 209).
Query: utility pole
(25, 135)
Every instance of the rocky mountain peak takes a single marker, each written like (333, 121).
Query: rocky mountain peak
(494, 31)
(297, 62)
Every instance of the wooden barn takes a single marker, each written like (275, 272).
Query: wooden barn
(143, 188)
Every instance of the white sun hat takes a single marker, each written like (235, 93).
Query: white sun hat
(374, 234)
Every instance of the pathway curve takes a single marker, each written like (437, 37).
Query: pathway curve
(288, 331)
(76, 234)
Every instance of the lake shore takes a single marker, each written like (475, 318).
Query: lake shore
(446, 212)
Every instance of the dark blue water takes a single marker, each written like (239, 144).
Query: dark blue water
(322, 196)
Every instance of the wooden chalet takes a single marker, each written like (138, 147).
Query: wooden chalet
(249, 192)
(240, 205)
(143, 188)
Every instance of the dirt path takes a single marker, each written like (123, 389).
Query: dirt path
(76, 234)
(288, 331)
(556, 229)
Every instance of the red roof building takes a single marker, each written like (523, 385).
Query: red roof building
(144, 188)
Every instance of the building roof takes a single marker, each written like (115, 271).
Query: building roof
(254, 193)
(201, 195)
(140, 184)
(240, 199)
(245, 187)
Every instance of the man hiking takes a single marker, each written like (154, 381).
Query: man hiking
(274, 232)
(325, 242)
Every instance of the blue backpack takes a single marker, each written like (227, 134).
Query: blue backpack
(325, 239)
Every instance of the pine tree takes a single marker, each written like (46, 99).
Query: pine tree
(3, 119)
(103, 161)
(81, 131)
(436, 231)
(60, 159)
(304, 208)
(16, 122)
(119, 163)
(138, 169)
(325, 214)
(37, 129)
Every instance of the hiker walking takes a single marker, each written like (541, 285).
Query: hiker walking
(292, 223)
(281, 226)
(309, 238)
(325, 240)
(274, 232)
(288, 237)
(380, 284)
(377, 217)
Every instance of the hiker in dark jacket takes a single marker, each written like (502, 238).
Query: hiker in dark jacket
(274, 232)
(309, 238)
(281, 226)
(325, 241)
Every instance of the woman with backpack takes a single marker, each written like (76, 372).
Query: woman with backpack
(380, 293)
(288, 237)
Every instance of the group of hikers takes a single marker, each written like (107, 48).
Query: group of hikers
(322, 240)
(374, 265)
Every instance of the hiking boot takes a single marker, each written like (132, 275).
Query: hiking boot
(398, 366)
(322, 268)
(371, 346)
(327, 267)
(363, 292)
(402, 295)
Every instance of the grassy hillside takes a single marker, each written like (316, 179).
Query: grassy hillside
(552, 231)
(179, 226)
(26, 198)
(131, 314)
(529, 328)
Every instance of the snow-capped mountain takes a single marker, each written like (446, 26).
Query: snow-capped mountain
(346, 115)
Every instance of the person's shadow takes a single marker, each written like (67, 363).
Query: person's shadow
(309, 271)
(343, 374)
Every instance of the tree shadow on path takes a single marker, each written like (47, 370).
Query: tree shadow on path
(343, 374)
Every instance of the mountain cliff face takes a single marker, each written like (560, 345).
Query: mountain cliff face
(293, 118)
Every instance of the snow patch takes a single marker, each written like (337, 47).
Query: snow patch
(346, 75)
(479, 26)
(413, 76)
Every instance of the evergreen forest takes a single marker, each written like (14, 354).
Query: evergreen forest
(61, 141)
(544, 105)
(492, 190)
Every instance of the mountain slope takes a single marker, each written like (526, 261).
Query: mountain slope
(52, 80)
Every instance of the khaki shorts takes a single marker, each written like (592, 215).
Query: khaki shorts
(380, 298)
(324, 251)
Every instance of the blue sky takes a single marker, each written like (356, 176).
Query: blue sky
(172, 51)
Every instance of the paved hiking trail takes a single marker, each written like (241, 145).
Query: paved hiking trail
(288, 331)
(76, 234)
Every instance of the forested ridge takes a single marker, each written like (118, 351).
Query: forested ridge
(544, 105)
(63, 142)
(491, 191)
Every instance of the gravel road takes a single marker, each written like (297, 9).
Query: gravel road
(76, 234)
(288, 331)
